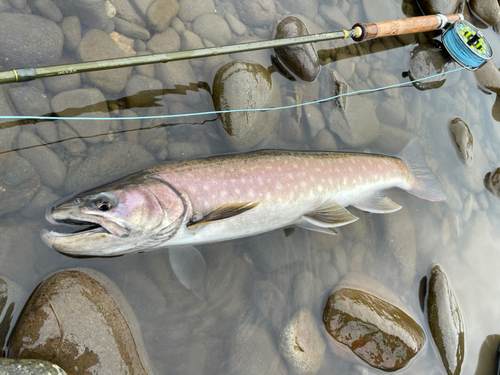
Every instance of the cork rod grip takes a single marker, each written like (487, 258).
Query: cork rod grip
(402, 26)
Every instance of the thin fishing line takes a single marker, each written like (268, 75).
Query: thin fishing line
(229, 110)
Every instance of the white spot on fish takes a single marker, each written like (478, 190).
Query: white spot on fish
(311, 178)
(379, 166)
(295, 165)
(259, 180)
(320, 188)
(337, 169)
(317, 169)
(237, 191)
(345, 180)
(350, 169)
(206, 187)
(363, 167)
(369, 162)
(223, 193)
(303, 184)
(268, 195)
(278, 186)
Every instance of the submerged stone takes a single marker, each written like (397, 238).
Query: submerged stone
(244, 130)
(300, 60)
(29, 367)
(79, 320)
(463, 140)
(375, 330)
(425, 61)
(439, 6)
(445, 321)
(301, 343)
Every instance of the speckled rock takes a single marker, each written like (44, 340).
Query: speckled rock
(244, 130)
(486, 10)
(46, 162)
(98, 45)
(72, 31)
(79, 320)
(302, 344)
(213, 28)
(463, 140)
(353, 119)
(107, 163)
(257, 13)
(28, 40)
(29, 367)
(47, 9)
(301, 60)
(83, 103)
(189, 10)
(445, 321)
(427, 60)
(376, 329)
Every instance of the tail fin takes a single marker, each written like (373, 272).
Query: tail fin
(426, 185)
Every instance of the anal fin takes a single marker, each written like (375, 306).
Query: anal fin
(329, 215)
(377, 203)
(306, 225)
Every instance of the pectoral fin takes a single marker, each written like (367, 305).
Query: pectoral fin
(306, 225)
(223, 212)
(377, 203)
(329, 215)
(189, 266)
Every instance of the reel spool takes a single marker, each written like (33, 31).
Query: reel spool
(467, 45)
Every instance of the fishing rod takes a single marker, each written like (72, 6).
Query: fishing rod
(466, 44)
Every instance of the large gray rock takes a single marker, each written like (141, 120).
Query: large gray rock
(46, 162)
(189, 10)
(29, 41)
(78, 319)
(445, 321)
(439, 6)
(143, 91)
(488, 77)
(166, 41)
(98, 45)
(243, 130)
(425, 61)
(259, 13)
(213, 28)
(486, 10)
(106, 164)
(91, 13)
(30, 101)
(381, 10)
(308, 8)
(83, 103)
(161, 13)
(352, 118)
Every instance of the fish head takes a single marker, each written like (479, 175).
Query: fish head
(119, 217)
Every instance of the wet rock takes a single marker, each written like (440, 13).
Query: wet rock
(302, 344)
(29, 367)
(257, 13)
(161, 13)
(10, 294)
(187, 150)
(270, 301)
(83, 103)
(128, 12)
(73, 144)
(439, 6)
(307, 290)
(492, 182)
(37, 206)
(488, 77)
(98, 45)
(445, 321)
(382, 79)
(427, 60)
(90, 12)
(107, 163)
(30, 101)
(334, 15)
(235, 24)
(253, 352)
(79, 320)
(124, 43)
(179, 80)
(47, 9)
(58, 84)
(315, 120)
(391, 112)
(463, 140)
(487, 362)
(374, 328)
(130, 29)
(381, 10)
(243, 130)
(28, 40)
(213, 28)
(143, 91)
(325, 141)
(353, 119)
(166, 41)
(189, 10)
(307, 8)
(301, 60)
(46, 162)
(486, 10)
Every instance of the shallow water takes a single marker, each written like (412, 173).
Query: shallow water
(185, 335)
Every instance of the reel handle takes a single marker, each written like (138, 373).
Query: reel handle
(403, 26)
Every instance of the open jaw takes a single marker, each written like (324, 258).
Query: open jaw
(89, 225)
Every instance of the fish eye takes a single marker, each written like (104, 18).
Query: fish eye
(103, 206)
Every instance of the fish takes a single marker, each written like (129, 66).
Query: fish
(226, 197)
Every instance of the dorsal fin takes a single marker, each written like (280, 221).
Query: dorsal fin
(223, 212)
(330, 215)
(377, 203)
